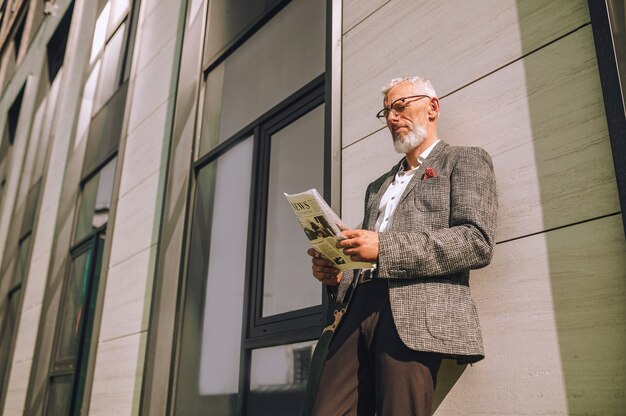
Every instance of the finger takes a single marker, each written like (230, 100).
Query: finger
(324, 268)
(331, 280)
(350, 233)
(348, 242)
(313, 253)
(322, 262)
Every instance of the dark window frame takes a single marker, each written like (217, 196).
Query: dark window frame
(294, 326)
(13, 116)
(309, 97)
(18, 280)
(77, 367)
(613, 102)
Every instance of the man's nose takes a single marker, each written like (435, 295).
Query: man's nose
(392, 117)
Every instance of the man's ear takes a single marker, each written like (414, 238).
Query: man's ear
(433, 108)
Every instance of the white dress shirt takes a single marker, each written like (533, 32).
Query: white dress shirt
(392, 195)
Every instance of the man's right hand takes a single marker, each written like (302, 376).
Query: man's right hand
(324, 270)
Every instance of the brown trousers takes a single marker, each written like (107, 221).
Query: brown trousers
(369, 370)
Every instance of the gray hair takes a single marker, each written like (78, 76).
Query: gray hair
(421, 85)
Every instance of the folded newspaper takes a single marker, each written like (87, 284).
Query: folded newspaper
(322, 227)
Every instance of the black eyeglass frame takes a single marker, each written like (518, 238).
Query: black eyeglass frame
(384, 113)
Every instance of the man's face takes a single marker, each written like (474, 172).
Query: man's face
(408, 127)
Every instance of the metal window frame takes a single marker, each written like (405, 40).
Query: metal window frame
(613, 101)
(160, 372)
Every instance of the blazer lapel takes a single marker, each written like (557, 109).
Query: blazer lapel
(417, 177)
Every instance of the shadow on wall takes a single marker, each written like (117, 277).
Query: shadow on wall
(447, 377)
(581, 252)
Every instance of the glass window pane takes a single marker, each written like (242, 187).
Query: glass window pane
(100, 31)
(296, 164)
(278, 379)
(119, 9)
(291, 48)
(95, 202)
(6, 340)
(213, 317)
(60, 395)
(226, 275)
(228, 19)
(617, 18)
(73, 308)
(111, 67)
(32, 201)
(20, 267)
(86, 104)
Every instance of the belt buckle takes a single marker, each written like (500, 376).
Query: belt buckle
(366, 276)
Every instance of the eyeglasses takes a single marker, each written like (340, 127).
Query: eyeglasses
(397, 107)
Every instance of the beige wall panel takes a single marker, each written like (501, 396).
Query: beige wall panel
(153, 86)
(127, 297)
(548, 140)
(137, 220)
(543, 121)
(117, 378)
(363, 162)
(552, 310)
(16, 392)
(451, 43)
(158, 28)
(144, 152)
(354, 11)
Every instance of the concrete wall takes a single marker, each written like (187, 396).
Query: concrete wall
(118, 374)
(520, 79)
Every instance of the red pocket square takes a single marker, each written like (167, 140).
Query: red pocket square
(429, 173)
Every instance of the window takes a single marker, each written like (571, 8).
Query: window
(617, 20)
(58, 42)
(97, 134)
(14, 116)
(10, 132)
(251, 311)
(104, 93)
(75, 321)
(15, 268)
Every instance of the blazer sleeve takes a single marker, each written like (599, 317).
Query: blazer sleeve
(469, 240)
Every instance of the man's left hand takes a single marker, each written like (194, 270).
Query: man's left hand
(360, 245)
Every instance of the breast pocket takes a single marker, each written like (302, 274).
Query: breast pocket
(433, 194)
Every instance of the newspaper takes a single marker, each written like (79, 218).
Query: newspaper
(323, 228)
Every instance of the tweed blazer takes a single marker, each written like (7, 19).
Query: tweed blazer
(442, 227)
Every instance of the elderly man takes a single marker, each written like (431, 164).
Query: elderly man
(428, 221)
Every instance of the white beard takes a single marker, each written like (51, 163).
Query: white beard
(409, 141)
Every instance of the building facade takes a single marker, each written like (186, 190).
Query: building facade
(149, 263)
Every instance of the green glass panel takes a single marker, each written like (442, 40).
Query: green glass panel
(74, 308)
(60, 395)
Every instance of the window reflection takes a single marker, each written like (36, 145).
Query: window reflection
(278, 378)
(299, 147)
(74, 299)
(111, 67)
(100, 32)
(119, 8)
(86, 105)
(617, 18)
(59, 395)
(95, 202)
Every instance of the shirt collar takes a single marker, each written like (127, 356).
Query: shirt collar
(422, 157)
